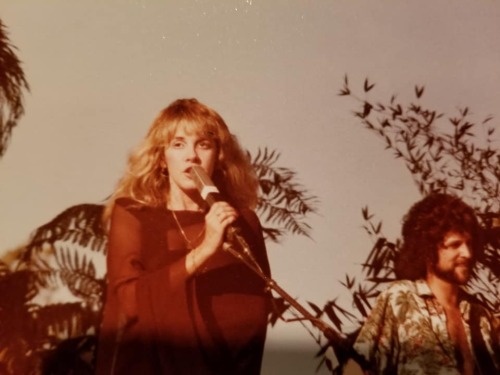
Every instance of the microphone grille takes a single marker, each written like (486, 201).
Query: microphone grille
(202, 181)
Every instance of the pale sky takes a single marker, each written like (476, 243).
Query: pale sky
(100, 71)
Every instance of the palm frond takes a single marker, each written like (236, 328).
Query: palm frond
(65, 320)
(12, 84)
(284, 203)
(72, 268)
(78, 273)
(80, 224)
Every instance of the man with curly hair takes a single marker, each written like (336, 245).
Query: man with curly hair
(425, 323)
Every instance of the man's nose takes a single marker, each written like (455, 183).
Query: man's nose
(466, 251)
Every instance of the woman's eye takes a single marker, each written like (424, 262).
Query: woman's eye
(205, 145)
(176, 144)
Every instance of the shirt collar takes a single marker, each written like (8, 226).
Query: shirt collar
(423, 290)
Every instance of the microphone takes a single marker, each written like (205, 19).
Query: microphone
(206, 187)
(211, 194)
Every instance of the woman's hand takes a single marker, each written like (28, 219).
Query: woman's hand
(217, 220)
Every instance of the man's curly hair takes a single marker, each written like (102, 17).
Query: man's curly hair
(424, 228)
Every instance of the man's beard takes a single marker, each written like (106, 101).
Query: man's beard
(456, 275)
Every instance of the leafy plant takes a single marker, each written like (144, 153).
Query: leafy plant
(12, 84)
(62, 254)
(283, 203)
(449, 154)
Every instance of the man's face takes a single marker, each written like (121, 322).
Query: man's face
(454, 262)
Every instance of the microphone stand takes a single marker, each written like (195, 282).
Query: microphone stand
(209, 192)
(338, 341)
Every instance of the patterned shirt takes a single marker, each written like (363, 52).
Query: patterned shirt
(406, 333)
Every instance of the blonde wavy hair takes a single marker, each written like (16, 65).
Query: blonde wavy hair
(145, 180)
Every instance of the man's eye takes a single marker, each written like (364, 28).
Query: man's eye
(455, 244)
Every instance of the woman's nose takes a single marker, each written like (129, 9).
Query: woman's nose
(191, 153)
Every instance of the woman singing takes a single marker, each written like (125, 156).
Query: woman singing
(176, 302)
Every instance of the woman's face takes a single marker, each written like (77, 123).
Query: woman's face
(183, 152)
